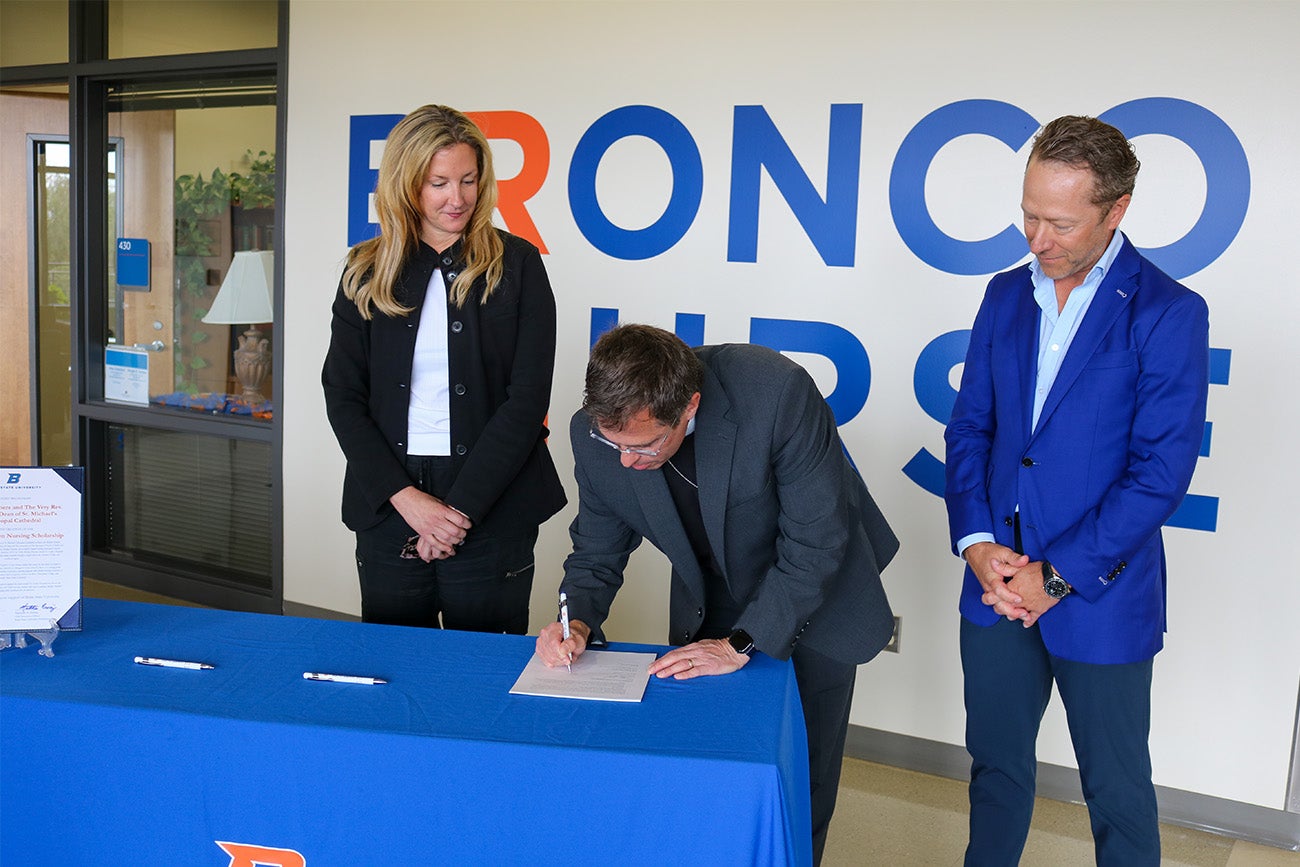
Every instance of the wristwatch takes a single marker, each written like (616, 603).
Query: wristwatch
(741, 642)
(1053, 584)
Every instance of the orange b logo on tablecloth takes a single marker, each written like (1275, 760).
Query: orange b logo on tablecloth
(244, 855)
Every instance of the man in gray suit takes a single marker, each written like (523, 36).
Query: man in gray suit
(728, 460)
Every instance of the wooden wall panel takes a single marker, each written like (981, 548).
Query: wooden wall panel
(20, 114)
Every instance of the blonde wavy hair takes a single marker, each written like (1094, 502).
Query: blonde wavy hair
(372, 266)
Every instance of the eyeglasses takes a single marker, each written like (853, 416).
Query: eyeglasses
(649, 453)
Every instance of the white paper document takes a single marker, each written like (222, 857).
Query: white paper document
(598, 675)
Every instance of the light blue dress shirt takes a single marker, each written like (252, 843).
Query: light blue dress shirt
(1056, 331)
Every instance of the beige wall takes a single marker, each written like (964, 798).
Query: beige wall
(567, 64)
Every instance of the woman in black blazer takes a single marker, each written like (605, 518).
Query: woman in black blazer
(437, 384)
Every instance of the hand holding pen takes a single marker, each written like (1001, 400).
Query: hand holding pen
(564, 627)
(554, 649)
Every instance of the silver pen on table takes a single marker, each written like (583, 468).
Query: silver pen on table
(564, 625)
(342, 678)
(173, 663)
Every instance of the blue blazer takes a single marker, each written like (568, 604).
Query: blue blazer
(1110, 461)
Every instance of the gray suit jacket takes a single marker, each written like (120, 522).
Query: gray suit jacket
(799, 539)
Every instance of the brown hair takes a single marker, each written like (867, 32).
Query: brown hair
(1085, 142)
(635, 367)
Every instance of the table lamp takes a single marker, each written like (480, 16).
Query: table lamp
(245, 296)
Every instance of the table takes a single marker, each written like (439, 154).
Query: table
(104, 761)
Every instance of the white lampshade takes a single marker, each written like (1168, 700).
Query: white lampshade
(245, 294)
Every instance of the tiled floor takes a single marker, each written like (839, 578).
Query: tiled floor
(888, 816)
(895, 818)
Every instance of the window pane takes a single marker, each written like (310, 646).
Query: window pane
(147, 28)
(190, 500)
(33, 31)
(197, 184)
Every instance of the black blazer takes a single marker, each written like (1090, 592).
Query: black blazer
(799, 539)
(501, 357)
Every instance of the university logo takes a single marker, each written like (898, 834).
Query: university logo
(14, 477)
(245, 855)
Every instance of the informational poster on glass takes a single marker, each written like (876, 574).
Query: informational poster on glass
(126, 375)
(40, 548)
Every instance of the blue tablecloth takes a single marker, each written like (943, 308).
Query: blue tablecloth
(104, 761)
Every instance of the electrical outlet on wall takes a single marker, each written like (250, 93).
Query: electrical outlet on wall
(892, 646)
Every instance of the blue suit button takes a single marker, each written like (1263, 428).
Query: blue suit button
(1027, 462)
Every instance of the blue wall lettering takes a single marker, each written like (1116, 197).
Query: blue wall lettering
(846, 352)
(1008, 124)
(364, 129)
(1227, 177)
(831, 224)
(936, 397)
(688, 182)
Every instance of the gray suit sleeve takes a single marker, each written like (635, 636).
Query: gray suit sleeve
(602, 543)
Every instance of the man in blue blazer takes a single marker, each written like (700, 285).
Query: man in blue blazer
(727, 459)
(1073, 439)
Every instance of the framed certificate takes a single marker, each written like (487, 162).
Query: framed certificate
(40, 548)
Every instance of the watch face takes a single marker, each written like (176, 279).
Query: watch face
(741, 642)
(1054, 585)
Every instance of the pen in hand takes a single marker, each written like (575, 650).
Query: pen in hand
(564, 625)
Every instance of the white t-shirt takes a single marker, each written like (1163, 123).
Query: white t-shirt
(428, 419)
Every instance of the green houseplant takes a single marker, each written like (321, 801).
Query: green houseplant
(201, 202)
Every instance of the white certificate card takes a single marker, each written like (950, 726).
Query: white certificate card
(598, 675)
(40, 547)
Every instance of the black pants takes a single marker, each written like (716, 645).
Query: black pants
(485, 587)
(826, 693)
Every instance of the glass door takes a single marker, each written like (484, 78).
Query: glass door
(183, 425)
(52, 291)
(52, 310)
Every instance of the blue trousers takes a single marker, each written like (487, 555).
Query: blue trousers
(1008, 682)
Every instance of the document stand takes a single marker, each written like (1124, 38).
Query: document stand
(44, 636)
